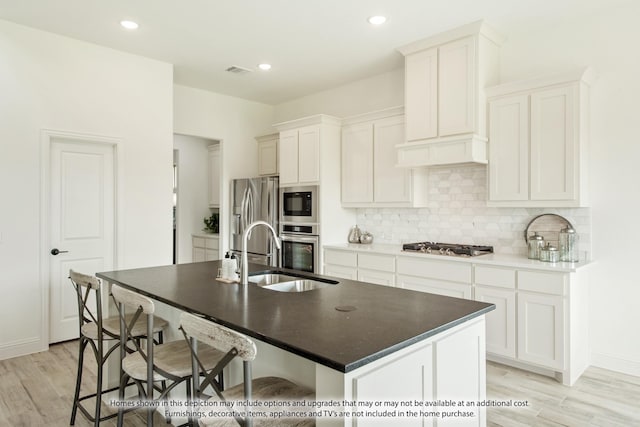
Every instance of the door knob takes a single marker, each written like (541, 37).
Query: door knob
(56, 251)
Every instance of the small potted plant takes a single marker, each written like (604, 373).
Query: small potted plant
(211, 224)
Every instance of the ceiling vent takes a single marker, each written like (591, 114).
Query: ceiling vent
(235, 69)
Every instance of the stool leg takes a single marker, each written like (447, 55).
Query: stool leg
(100, 362)
(82, 345)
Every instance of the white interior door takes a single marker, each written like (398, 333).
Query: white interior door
(81, 224)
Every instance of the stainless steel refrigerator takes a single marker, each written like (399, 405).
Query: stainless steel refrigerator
(254, 199)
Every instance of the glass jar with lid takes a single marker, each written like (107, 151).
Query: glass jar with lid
(568, 242)
(549, 253)
(536, 242)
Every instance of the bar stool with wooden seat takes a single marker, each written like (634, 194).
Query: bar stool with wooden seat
(96, 332)
(200, 331)
(169, 362)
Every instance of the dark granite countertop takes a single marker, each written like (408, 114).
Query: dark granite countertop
(308, 324)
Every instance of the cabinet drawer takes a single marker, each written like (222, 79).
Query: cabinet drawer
(377, 262)
(346, 258)
(197, 242)
(211, 243)
(439, 287)
(376, 277)
(491, 276)
(443, 270)
(341, 271)
(547, 283)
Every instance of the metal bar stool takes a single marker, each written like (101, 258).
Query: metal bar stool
(199, 332)
(95, 332)
(169, 362)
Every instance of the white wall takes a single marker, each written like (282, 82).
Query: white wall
(193, 196)
(52, 82)
(608, 42)
(235, 123)
(371, 94)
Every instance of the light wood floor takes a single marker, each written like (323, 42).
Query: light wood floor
(37, 390)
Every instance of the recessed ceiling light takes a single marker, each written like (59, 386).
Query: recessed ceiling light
(264, 67)
(129, 25)
(377, 20)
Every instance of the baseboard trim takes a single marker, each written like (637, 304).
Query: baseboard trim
(22, 348)
(615, 363)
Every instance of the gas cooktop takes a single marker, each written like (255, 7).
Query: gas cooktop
(450, 249)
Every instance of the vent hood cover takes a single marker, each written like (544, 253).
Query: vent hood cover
(451, 150)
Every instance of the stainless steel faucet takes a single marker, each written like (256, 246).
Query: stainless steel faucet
(244, 263)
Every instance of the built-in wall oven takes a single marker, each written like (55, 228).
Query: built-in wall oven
(300, 247)
(299, 204)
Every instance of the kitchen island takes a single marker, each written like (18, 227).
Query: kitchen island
(365, 343)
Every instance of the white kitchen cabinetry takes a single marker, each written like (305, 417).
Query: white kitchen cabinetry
(370, 177)
(214, 176)
(497, 286)
(268, 154)
(445, 77)
(371, 268)
(538, 132)
(343, 264)
(540, 318)
(438, 277)
(299, 154)
(205, 247)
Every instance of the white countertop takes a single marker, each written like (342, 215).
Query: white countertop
(205, 234)
(505, 260)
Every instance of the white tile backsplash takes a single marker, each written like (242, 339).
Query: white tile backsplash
(457, 213)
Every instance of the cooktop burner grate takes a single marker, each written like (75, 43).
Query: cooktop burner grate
(451, 249)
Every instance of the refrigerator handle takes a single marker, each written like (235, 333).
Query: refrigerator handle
(243, 210)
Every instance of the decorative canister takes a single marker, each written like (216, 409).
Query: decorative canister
(568, 241)
(536, 242)
(549, 253)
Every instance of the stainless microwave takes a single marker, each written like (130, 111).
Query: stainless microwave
(299, 204)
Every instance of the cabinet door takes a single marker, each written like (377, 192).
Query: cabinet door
(288, 157)
(456, 87)
(214, 176)
(509, 153)
(357, 163)
(309, 154)
(391, 184)
(211, 254)
(541, 329)
(421, 95)
(553, 144)
(198, 254)
(268, 157)
(501, 322)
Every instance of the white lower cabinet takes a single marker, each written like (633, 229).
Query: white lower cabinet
(501, 322)
(437, 277)
(205, 247)
(540, 317)
(541, 329)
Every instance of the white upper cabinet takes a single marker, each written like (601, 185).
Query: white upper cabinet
(268, 154)
(445, 76)
(421, 94)
(299, 155)
(369, 174)
(214, 176)
(538, 136)
(457, 80)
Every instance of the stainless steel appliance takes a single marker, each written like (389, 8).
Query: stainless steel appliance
(300, 247)
(254, 199)
(299, 204)
(450, 249)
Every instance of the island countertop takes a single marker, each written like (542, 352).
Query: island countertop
(384, 320)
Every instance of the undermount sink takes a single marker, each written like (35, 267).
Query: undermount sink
(286, 283)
